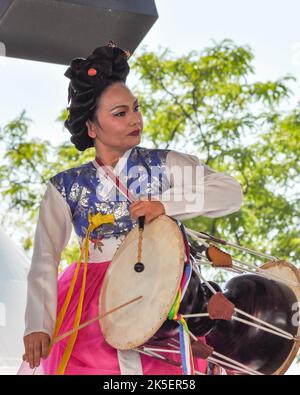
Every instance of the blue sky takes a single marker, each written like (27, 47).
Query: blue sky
(270, 27)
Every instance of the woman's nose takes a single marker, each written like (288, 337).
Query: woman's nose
(136, 119)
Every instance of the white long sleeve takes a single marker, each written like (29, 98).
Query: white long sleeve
(52, 234)
(196, 189)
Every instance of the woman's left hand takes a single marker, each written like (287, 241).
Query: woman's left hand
(151, 209)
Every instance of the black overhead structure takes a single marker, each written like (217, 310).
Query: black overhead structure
(57, 31)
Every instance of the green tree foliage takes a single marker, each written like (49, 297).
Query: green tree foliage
(207, 102)
(26, 166)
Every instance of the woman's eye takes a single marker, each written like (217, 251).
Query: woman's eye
(123, 112)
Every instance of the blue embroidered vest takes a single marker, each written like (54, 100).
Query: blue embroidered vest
(83, 189)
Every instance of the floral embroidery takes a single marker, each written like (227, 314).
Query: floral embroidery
(79, 188)
(97, 243)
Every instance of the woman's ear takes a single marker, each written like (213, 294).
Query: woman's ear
(90, 128)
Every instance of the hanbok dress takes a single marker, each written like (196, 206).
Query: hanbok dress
(70, 197)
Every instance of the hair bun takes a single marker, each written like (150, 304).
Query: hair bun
(88, 79)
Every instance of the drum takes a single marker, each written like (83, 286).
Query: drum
(272, 302)
(163, 256)
(261, 335)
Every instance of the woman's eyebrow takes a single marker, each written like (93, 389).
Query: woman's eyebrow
(123, 105)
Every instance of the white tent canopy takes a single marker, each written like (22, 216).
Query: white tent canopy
(13, 271)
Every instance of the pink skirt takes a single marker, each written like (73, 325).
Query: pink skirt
(91, 354)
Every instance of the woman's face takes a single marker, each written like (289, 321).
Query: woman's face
(118, 116)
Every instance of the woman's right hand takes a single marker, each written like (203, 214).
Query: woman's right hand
(36, 347)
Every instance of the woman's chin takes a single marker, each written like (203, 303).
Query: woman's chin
(134, 140)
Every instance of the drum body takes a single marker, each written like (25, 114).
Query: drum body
(164, 254)
(271, 301)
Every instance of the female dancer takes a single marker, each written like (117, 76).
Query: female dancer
(104, 114)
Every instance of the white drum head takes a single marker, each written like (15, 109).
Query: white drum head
(163, 256)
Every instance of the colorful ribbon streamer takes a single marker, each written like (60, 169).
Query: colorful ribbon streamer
(184, 335)
(94, 222)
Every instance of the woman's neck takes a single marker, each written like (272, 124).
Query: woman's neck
(108, 156)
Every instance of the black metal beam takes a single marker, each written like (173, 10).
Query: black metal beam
(56, 31)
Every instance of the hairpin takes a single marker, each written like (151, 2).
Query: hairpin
(127, 53)
(112, 43)
(92, 72)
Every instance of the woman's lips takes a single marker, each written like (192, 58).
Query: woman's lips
(135, 133)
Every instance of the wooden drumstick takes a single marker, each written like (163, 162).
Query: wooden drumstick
(66, 334)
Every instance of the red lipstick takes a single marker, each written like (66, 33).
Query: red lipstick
(135, 132)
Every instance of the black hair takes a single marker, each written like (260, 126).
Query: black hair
(89, 78)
